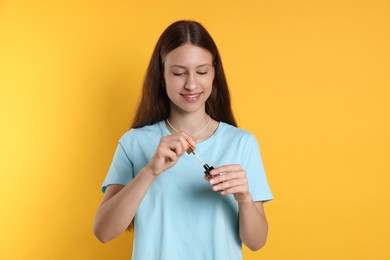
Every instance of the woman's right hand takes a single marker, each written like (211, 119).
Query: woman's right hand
(169, 151)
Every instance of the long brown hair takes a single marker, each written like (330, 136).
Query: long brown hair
(154, 104)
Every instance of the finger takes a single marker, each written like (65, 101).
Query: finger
(166, 154)
(230, 184)
(226, 168)
(235, 190)
(176, 143)
(189, 142)
(171, 156)
(188, 138)
(185, 144)
(176, 146)
(223, 177)
(166, 143)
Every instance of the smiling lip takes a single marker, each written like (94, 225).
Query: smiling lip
(191, 97)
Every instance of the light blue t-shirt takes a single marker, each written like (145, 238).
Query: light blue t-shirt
(181, 217)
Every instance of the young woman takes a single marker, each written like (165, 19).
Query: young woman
(157, 183)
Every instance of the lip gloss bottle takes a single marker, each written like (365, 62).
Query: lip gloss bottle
(205, 165)
(207, 170)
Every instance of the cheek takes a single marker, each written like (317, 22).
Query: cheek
(208, 87)
(208, 83)
(172, 87)
(169, 89)
(173, 83)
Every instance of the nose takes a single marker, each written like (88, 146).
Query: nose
(190, 82)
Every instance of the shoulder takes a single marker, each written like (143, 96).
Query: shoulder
(140, 139)
(233, 132)
(241, 139)
(147, 131)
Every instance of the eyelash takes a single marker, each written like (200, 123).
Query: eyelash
(180, 74)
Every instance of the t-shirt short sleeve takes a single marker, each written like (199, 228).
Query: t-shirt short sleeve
(121, 169)
(253, 165)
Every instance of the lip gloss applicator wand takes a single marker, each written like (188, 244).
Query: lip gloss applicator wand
(205, 165)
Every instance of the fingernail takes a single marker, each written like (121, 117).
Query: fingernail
(212, 181)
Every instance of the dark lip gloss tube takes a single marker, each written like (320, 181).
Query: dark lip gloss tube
(205, 165)
(207, 170)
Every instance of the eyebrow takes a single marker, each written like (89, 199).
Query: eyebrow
(184, 67)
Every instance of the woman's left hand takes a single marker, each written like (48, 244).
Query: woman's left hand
(231, 179)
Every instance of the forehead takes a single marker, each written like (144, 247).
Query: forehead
(188, 55)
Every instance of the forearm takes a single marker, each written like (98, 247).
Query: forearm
(253, 224)
(114, 215)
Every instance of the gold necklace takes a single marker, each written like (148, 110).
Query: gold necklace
(204, 128)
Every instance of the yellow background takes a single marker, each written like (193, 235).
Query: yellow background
(310, 79)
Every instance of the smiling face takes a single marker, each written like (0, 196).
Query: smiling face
(188, 74)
